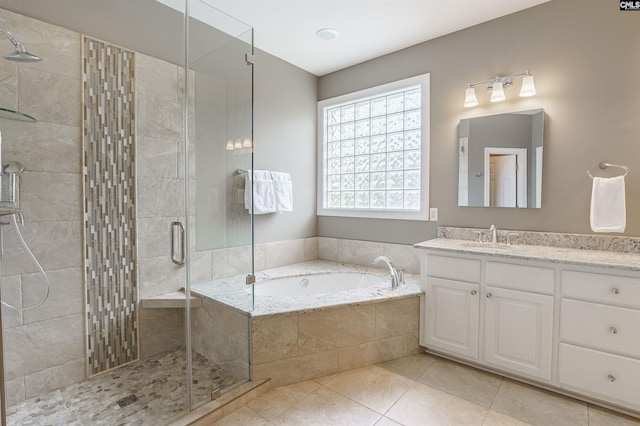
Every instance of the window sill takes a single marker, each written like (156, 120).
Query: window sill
(376, 214)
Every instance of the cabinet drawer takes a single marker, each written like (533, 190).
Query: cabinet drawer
(605, 327)
(604, 376)
(601, 288)
(453, 268)
(519, 277)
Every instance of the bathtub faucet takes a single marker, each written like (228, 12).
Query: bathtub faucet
(395, 278)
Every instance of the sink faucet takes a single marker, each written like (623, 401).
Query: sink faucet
(494, 234)
(395, 278)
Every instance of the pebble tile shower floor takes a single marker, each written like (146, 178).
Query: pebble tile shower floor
(151, 392)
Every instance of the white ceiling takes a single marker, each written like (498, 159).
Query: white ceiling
(284, 28)
(367, 28)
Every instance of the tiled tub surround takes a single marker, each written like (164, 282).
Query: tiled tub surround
(304, 337)
(586, 305)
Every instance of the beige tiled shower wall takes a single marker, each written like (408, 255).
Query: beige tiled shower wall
(51, 196)
(51, 189)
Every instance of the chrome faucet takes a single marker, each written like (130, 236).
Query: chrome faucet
(494, 234)
(395, 277)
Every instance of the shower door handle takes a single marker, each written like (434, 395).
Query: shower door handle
(177, 243)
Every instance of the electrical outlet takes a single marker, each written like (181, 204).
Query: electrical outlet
(433, 214)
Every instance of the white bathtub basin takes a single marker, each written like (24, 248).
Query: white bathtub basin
(315, 284)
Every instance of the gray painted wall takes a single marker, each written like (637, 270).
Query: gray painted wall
(285, 133)
(585, 58)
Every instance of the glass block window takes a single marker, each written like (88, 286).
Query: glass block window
(374, 151)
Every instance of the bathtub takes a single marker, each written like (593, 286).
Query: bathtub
(306, 286)
(308, 320)
(313, 284)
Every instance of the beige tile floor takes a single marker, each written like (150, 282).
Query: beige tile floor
(418, 390)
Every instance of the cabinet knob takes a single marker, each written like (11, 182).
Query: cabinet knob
(489, 295)
(615, 290)
(473, 292)
(613, 330)
(611, 378)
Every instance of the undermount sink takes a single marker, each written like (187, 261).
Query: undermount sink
(487, 246)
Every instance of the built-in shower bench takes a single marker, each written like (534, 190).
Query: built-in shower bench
(175, 299)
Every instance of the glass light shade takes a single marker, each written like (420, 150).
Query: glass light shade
(497, 92)
(229, 146)
(470, 99)
(238, 144)
(246, 143)
(528, 88)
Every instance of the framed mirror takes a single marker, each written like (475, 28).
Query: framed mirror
(500, 160)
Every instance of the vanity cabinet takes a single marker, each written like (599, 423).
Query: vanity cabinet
(568, 327)
(517, 321)
(453, 295)
(453, 316)
(518, 318)
(599, 350)
(518, 331)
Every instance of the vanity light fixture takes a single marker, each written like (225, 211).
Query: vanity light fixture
(497, 85)
(238, 144)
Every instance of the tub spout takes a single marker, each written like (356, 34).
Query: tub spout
(395, 279)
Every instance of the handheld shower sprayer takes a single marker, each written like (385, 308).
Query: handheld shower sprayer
(14, 169)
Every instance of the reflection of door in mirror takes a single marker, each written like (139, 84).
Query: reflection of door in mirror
(503, 181)
(505, 177)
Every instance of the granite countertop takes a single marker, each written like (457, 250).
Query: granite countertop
(234, 293)
(572, 256)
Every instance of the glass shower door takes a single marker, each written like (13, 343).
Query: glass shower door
(219, 237)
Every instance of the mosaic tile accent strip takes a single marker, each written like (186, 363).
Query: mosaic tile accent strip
(111, 287)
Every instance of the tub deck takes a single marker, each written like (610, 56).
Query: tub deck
(234, 293)
(297, 338)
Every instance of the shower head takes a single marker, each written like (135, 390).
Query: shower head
(12, 168)
(20, 54)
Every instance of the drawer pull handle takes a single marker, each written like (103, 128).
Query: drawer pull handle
(611, 378)
(473, 292)
(613, 330)
(615, 290)
(489, 295)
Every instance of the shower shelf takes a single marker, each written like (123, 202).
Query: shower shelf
(16, 115)
(176, 299)
(8, 210)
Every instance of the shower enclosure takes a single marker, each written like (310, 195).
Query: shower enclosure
(157, 205)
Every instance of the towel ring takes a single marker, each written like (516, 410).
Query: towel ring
(604, 165)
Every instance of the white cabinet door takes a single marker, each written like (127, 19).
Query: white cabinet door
(452, 316)
(519, 331)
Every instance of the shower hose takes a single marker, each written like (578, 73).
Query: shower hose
(44, 275)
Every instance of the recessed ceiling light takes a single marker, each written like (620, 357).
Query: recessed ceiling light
(327, 33)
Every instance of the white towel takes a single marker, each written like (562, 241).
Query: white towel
(283, 190)
(608, 209)
(263, 192)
